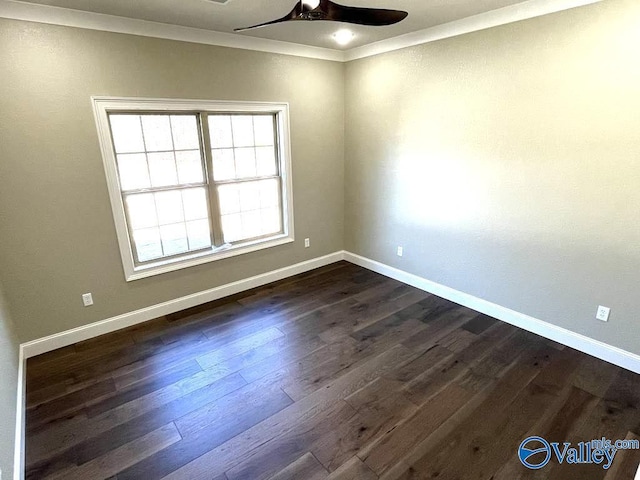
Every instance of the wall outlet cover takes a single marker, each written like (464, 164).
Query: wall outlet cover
(603, 313)
(87, 299)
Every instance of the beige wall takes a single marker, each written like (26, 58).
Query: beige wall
(8, 389)
(507, 163)
(58, 235)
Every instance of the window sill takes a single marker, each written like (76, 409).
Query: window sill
(199, 258)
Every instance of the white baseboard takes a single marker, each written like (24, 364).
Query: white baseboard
(69, 337)
(595, 348)
(18, 457)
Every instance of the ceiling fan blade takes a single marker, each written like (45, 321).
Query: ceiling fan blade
(361, 15)
(328, 10)
(292, 15)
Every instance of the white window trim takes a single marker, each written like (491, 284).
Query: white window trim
(103, 105)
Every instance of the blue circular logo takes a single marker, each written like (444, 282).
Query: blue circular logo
(534, 452)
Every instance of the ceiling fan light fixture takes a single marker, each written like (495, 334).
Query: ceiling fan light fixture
(343, 36)
(312, 4)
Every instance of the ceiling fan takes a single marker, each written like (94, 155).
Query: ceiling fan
(327, 10)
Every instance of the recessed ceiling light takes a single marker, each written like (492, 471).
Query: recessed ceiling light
(343, 36)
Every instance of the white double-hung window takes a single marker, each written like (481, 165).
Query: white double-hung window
(195, 181)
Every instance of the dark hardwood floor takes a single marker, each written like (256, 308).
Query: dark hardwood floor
(338, 373)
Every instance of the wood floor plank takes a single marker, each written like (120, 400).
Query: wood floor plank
(489, 437)
(382, 454)
(278, 352)
(442, 323)
(239, 346)
(68, 435)
(289, 420)
(492, 352)
(353, 469)
(172, 355)
(225, 409)
(372, 421)
(434, 459)
(479, 324)
(97, 445)
(626, 463)
(227, 420)
(612, 418)
(375, 392)
(83, 368)
(337, 373)
(306, 467)
(129, 454)
(594, 375)
(458, 340)
(365, 314)
(67, 404)
(554, 425)
(142, 388)
(271, 456)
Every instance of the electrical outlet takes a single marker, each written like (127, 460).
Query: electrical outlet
(400, 251)
(603, 313)
(87, 299)
(307, 243)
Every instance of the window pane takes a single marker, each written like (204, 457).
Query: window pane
(266, 161)
(142, 211)
(185, 132)
(199, 234)
(133, 171)
(258, 204)
(232, 227)
(195, 204)
(157, 133)
(174, 239)
(271, 220)
(162, 167)
(126, 132)
(220, 131)
(249, 196)
(242, 130)
(224, 167)
(263, 127)
(189, 166)
(245, 162)
(169, 206)
(148, 244)
(229, 196)
(251, 224)
(269, 193)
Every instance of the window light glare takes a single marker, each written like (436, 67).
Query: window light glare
(311, 3)
(342, 37)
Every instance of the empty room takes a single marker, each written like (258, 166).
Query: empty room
(319, 240)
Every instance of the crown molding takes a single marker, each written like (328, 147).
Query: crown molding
(17, 10)
(31, 12)
(493, 18)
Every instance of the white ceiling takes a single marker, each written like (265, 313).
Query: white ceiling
(209, 15)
